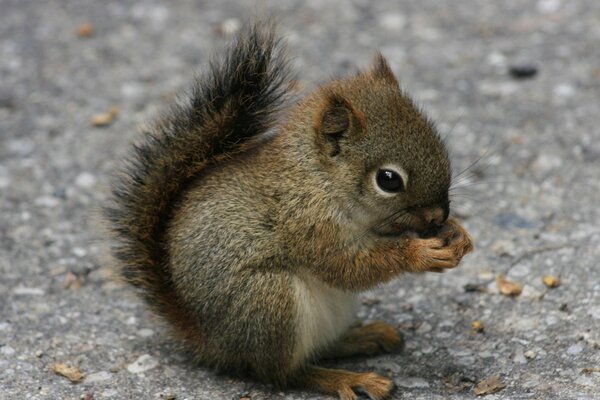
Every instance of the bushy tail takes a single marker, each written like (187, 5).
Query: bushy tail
(235, 100)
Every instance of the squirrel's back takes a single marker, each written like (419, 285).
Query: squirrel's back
(234, 101)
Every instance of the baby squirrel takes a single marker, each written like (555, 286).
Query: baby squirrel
(251, 228)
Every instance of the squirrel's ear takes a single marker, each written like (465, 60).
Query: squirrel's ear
(382, 70)
(336, 118)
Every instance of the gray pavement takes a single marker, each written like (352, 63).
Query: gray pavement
(531, 203)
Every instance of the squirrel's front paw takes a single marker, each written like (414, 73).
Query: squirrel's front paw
(443, 251)
(433, 254)
(456, 237)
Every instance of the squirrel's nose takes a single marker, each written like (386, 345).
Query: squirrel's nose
(435, 216)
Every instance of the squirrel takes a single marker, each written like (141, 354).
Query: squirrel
(251, 224)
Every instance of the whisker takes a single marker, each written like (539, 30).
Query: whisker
(485, 154)
(461, 115)
(386, 220)
(466, 185)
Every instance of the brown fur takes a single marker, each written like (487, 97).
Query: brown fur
(215, 220)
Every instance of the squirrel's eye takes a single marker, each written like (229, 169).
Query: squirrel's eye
(389, 181)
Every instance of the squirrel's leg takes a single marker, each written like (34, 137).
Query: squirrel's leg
(344, 384)
(363, 340)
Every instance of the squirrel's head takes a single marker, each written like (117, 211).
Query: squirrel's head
(382, 153)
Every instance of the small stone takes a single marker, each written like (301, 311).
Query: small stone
(548, 6)
(20, 148)
(489, 385)
(530, 354)
(39, 353)
(474, 287)
(498, 89)
(393, 21)
(47, 201)
(504, 247)
(145, 332)
(4, 182)
(144, 363)
(551, 281)
(477, 327)
(28, 291)
(230, 27)
(390, 366)
(508, 288)
(519, 357)
(85, 30)
(85, 180)
(460, 352)
(411, 382)
(73, 374)
(594, 312)
(509, 220)
(7, 350)
(496, 59)
(79, 251)
(564, 90)
(523, 71)
(424, 328)
(106, 118)
(575, 349)
(98, 377)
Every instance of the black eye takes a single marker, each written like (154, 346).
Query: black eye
(390, 181)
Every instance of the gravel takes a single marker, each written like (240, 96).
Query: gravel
(530, 198)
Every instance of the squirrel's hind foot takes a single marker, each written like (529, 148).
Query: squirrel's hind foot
(346, 384)
(366, 340)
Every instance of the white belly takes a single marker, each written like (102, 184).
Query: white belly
(323, 315)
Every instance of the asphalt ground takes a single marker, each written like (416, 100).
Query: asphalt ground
(515, 86)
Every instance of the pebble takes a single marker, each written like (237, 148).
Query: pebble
(594, 312)
(548, 6)
(47, 201)
(459, 352)
(587, 381)
(85, 180)
(145, 332)
(575, 349)
(392, 21)
(144, 363)
(564, 90)
(509, 220)
(504, 247)
(79, 251)
(522, 71)
(411, 382)
(98, 377)
(530, 354)
(424, 328)
(519, 357)
(20, 148)
(4, 182)
(28, 291)
(531, 380)
(525, 324)
(496, 59)
(230, 26)
(498, 89)
(385, 364)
